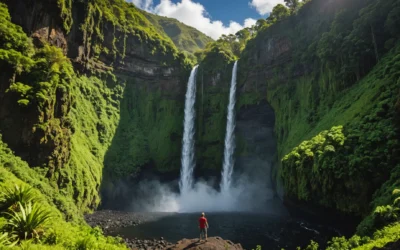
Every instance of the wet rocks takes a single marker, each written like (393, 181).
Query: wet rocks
(109, 220)
(137, 244)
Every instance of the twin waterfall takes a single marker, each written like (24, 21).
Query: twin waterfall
(230, 145)
(187, 158)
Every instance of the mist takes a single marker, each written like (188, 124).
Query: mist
(247, 194)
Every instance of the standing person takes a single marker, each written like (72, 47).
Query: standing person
(203, 225)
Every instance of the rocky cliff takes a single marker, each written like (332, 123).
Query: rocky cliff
(334, 103)
(329, 72)
(111, 103)
(91, 98)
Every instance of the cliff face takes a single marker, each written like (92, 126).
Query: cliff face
(329, 123)
(112, 107)
(39, 132)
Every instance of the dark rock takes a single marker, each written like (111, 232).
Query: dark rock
(213, 243)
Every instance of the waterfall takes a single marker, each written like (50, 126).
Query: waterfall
(229, 136)
(187, 157)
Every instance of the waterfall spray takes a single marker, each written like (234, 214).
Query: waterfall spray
(229, 137)
(187, 157)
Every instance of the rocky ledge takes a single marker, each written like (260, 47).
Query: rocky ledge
(213, 243)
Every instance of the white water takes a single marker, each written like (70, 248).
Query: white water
(230, 145)
(187, 157)
(246, 195)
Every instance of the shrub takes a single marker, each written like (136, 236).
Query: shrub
(6, 240)
(29, 222)
(10, 197)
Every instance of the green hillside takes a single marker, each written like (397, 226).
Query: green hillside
(185, 38)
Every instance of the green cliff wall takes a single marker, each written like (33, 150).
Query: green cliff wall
(83, 82)
(331, 73)
(213, 83)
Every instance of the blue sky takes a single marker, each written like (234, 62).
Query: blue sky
(212, 17)
(227, 10)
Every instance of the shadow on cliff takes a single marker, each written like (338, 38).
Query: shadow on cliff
(145, 147)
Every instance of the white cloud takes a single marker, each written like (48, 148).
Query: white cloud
(193, 14)
(249, 22)
(264, 6)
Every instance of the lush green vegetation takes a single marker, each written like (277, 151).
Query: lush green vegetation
(332, 77)
(72, 119)
(152, 122)
(345, 167)
(128, 26)
(33, 201)
(184, 37)
(335, 95)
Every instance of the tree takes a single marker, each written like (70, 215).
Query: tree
(261, 23)
(244, 34)
(278, 13)
(293, 5)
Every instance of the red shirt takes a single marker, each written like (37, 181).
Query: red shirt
(202, 222)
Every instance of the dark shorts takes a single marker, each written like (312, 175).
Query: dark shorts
(203, 231)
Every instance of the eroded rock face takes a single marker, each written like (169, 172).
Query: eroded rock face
(155, 72)
(275, 48)
(38, 21)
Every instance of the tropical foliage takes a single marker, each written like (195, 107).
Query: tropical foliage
(11, 197)
(28, 221)
(334, 87)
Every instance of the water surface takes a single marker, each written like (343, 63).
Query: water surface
(249, 229)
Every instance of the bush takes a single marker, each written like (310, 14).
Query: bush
(29, 222)
(10, 197)
(6, 240)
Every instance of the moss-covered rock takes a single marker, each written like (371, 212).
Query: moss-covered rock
(213, 84)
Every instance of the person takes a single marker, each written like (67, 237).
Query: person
(203, 225)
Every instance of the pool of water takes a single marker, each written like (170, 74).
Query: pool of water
(249, 229)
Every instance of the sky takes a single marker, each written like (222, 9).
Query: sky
(212, 17)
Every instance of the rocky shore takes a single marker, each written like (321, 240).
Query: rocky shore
(137, 244)
(109, 220)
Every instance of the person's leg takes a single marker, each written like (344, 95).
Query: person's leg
(205, 233)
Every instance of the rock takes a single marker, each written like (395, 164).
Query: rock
(213, 243)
